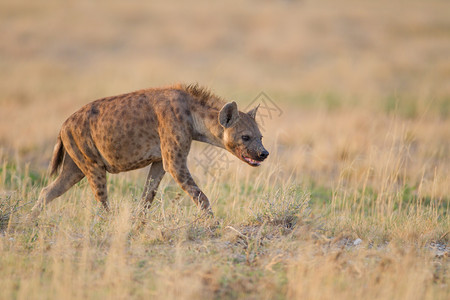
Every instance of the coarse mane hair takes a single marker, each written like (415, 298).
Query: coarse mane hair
(203, 95)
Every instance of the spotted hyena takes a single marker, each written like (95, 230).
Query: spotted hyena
(153, 126)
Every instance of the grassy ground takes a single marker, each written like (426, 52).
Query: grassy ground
(352, 202)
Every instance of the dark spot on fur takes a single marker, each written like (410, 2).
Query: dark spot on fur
(130, 132)
(94, 110)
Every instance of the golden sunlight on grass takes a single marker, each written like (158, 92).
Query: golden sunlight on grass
(353, 201)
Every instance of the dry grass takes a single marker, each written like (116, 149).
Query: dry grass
(353, 201)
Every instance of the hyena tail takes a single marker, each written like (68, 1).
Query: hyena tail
(58, 156)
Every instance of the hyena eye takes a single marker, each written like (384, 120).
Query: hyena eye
(245, 138)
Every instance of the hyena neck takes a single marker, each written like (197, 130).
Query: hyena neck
(206, 126)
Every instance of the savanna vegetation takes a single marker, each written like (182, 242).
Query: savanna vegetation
(353, 201)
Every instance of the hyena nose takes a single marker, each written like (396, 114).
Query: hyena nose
(264, 154)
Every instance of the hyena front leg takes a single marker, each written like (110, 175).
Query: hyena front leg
(174, 160)
(155, 174)
(183, 177)
(176, 141)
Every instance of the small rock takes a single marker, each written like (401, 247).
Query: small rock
(357, 242)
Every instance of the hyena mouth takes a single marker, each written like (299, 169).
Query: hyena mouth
(250, 161)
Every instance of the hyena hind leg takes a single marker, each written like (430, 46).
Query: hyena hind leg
(97, 180)
(70, 175)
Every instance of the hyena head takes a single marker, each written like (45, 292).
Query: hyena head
(241, 135)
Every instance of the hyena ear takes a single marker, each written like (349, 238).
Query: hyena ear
(229, 115)
(252, 113)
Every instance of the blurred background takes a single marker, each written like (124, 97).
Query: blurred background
(338, 70)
